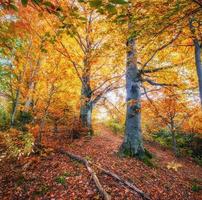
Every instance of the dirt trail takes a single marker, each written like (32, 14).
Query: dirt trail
(160, 182)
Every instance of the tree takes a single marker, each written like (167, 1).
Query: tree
(170, 111)
(132, 144)
(135, 77)
(95, 57)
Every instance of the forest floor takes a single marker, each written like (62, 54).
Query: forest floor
(54, 176)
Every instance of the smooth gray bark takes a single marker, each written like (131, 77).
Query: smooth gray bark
(86, 115)
(198, 48)
(132, 144)
(86, 95)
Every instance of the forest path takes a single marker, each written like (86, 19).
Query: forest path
(53, 176)
(159, 182)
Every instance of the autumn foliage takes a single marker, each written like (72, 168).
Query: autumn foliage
(75, 73)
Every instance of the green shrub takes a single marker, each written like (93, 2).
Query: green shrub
(196, 188)
(4, 119)
(18, 143)
(163, 137)
(187, 144)
(61, 180)
(198, 160)
(24, 117)
(115, 126)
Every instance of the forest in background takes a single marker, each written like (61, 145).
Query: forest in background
(77, 70)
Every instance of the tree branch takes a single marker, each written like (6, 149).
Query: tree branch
(105, 91)
(180, 19)
(161, 48)
(199, 2)
(157, 69)
(151, 82)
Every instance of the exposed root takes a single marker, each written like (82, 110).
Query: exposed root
(126, 183)
(101, 190)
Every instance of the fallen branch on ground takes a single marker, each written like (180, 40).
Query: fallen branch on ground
(126, 183)
(96, 180)
(101, 190)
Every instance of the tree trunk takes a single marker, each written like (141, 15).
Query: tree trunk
(39, 136)
(14, 109)
(174, 143)
(197, 47)
(86, 115)
(38, 139)
(173, 132)
(198, 66)
(29, 98)
(86, 93)
(132, 144)
(55, 130)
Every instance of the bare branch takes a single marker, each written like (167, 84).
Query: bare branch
(157, 69)
(105, 91)
(199, 2)
(161, 48)
(107, 80)
(154, 106)
(151, 82)
(155, 90)
(180, 19)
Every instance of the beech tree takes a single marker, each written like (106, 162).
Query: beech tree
(95, 57)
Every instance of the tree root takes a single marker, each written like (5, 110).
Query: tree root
(126, 183)
(101, 190)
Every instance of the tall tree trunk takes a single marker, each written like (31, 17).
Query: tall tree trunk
(132, 144)
(198, 48)
(14, 108)
(86, 115)
(86, 94)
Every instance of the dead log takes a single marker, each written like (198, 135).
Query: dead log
(101, 190)
(126, 183)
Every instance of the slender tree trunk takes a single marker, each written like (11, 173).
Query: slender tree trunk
(174, 143)
(14, 109)
(55, 127)
(132, 144)
(198, 66)
(38, 139)
(29, 98)
(39, 136)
